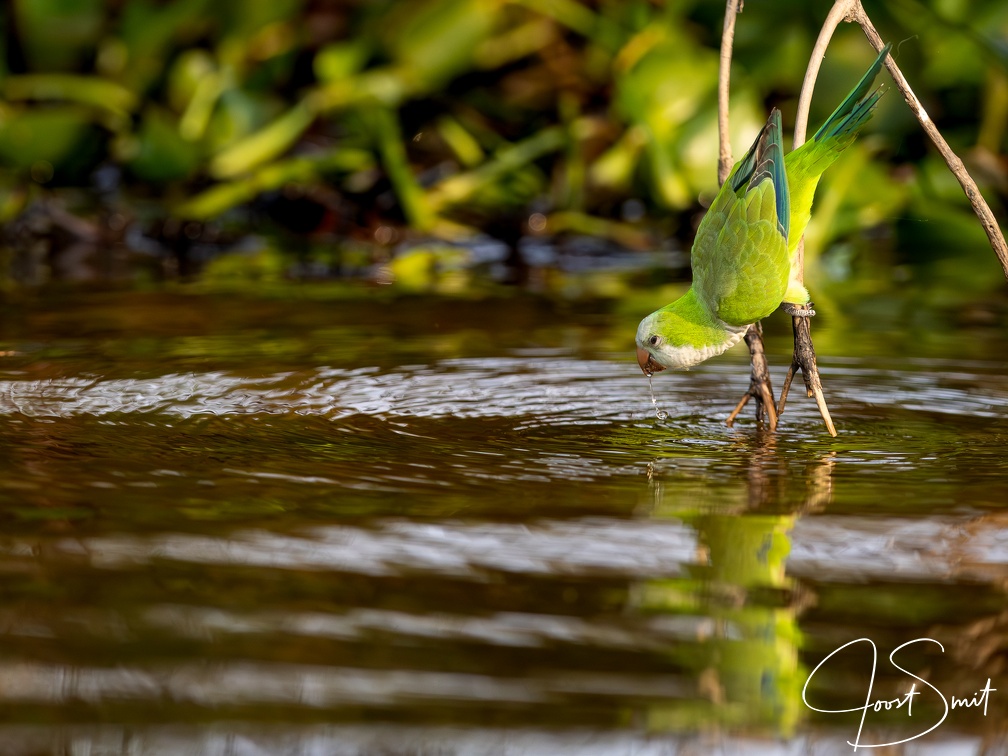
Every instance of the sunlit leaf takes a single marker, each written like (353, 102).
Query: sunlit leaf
(86, 90)
(185, 76)
(435, 39)
(339, 60)
(265, 144)
(412, 198)
(466, 148)
(459, 188)
(307, 169)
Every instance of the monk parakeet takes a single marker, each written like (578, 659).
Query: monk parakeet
(744, 250)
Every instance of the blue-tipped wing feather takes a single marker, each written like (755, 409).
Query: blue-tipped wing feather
(772, 167)
(765, 160)
(740, 259)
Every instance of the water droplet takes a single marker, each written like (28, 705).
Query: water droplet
(659, 413)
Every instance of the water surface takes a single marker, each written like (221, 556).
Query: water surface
(411, 526)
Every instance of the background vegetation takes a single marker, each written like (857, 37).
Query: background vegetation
(417, 141)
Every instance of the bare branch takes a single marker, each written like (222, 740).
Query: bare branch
(804, 359)
(733, 8)
(952, 160)
(852, 11)
(842, 10)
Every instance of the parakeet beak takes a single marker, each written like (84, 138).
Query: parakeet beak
(647, 362)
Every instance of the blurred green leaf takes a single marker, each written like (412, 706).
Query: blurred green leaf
(58, 34)
(339, 60)
(148, 29)
(416, 207)
(478, 110)
(86, 90)
(51, 135)
(950, 252)
(262, 266)
(434, 40)
(197, 116)
(857, 192)
(614, 169)
(304, 170)
(581, 223)
(159, 152)
(465, 146)
(574, 15)
(435, 267)
(12, 198)
(512, 44)
(264, 145)
(236, 115)
(665, 82)
(243, 18)
(460, 188)
(186, 75)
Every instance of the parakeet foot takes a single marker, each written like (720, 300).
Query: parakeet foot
(798, 311)
(759, 382)
(804, 359)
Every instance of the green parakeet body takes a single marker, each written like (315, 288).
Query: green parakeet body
(744, 252)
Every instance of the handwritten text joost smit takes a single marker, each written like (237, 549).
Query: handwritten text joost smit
(976, 700)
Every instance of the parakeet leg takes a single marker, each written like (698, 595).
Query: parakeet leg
(804, 359)
(759, 381)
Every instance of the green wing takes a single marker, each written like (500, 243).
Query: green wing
(740, 257)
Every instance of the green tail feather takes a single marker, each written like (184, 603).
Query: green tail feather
(806, 164)
(857, 108)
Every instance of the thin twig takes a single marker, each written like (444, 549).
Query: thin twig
(842, 10)
(952, 160)
(804, 359)
(733, 8)
(852, 11)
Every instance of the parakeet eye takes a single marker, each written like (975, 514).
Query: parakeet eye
(654, 340)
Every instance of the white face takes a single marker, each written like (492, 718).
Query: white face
(678, 357)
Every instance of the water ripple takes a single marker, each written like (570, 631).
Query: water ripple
(823, 548)
(556, 388)
(587, 546)
(486, 388)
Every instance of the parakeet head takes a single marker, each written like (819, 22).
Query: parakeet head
(657, 348)
(667, 339)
